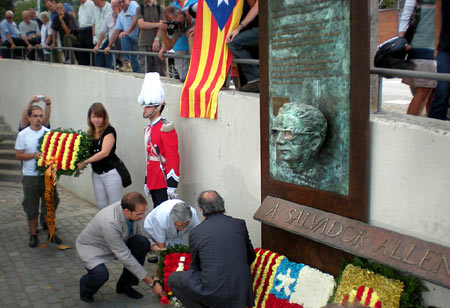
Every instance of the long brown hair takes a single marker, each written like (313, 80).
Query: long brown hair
(98, 110)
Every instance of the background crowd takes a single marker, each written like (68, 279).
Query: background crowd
(126, 25)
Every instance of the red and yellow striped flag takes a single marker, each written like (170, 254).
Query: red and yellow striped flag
(210, 58)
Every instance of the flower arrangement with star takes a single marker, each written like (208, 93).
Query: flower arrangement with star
(279, 283)
(175, 258)
(65, 146)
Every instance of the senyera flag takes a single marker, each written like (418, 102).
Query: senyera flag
(210, 58)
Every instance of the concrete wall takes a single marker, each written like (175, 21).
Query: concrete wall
(410, 165)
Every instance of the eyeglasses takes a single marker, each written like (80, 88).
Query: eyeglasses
(9, 17)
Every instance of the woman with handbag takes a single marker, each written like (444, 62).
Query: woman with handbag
(105, 178)
(417, 26)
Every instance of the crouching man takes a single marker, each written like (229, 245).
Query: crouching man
(219, 275)
(114, 233)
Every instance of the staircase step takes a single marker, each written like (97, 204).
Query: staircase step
(8, 136)
(7, 144)
(4, 128)
(8, 154)
(8, 164)
(10, 176)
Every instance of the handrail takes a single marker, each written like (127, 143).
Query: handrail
(382, 72)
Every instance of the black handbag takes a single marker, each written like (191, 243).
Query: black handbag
(123, 172)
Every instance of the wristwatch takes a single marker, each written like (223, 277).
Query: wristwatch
(154, 282)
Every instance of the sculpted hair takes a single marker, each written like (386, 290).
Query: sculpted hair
(211, 203)
(33, 107)
(98, 110)
(130, 200)
(181, 212)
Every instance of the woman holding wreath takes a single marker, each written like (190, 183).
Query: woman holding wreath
(105, 178)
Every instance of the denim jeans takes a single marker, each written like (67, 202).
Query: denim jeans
(91, 282)
(439, 105)
(239, 48)
(130, 43)
(102, 59)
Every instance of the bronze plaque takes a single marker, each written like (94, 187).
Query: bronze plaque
(314, 52)
(405, 253)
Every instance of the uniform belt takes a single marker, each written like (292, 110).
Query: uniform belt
(153, 158)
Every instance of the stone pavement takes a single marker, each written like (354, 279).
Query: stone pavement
(48, 277)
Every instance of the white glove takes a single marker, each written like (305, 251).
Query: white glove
(171, 192)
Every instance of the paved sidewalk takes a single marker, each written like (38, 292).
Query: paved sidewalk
(48, 277)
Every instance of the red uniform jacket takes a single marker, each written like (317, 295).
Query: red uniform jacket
(162, 136)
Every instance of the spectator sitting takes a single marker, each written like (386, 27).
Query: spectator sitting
(30, 32)
(66, 26)
(148, 17)
(10, 34)
(239, 44)
(34, 17)
(182, 26)
(86, 19)
(127, 32)
(46, 36)
(105, 32)
(51, 6)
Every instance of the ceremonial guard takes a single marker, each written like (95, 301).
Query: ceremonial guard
(161, 143)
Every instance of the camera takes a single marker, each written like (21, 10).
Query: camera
(171, 26)
(41, 97)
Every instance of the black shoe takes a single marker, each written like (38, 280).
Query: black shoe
(34, 241)
(152, 259)
(86, 298)
(55, 239)
(252, 87)
(129, 291)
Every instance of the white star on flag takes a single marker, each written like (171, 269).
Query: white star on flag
(286, 281)
(219, 2)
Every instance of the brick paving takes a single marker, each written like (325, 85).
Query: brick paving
(48, 277)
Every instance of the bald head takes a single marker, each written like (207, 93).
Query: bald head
(26, 16)
(9, 14)
(210, 202)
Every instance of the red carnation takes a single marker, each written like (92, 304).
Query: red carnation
(164, 300)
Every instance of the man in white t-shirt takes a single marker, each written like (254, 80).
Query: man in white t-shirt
(33, 184)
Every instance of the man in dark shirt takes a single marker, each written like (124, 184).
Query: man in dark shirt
(149, 15)
(440, 103)
(66, 26)
(221, 251)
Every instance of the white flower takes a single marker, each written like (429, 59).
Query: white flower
(313, 288)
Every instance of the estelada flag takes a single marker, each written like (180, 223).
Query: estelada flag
(210, 59)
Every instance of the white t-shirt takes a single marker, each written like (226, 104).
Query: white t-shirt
(162, 229)
(27, 140)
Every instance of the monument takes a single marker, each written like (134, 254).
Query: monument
(314, 76)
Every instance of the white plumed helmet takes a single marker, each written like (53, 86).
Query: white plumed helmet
(152, 91)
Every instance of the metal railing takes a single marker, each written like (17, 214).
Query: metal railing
(115, 53)
(388, 72)
(382, 72)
